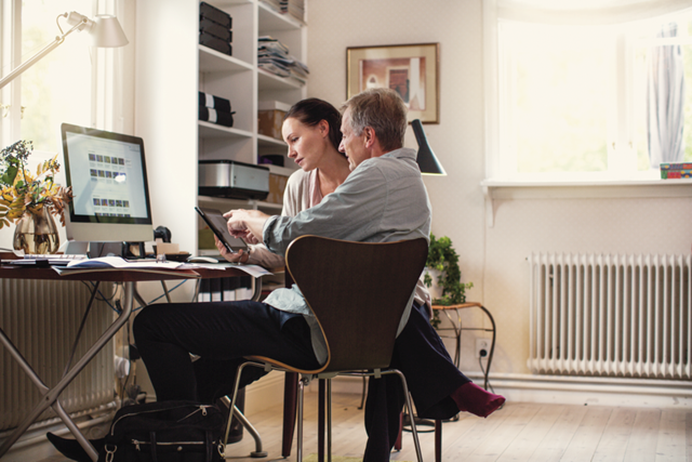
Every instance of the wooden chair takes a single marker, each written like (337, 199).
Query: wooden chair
(358, 293)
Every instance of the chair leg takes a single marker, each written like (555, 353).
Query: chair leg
(249, 427)
(409, 407)
(246, 423)
(329, 420)
(290, 392)
(301, 389)
(397, 443)
(320, 419)
(438, 440)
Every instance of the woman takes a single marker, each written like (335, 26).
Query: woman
(311, 130)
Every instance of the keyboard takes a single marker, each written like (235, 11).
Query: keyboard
(56, 256)
(40, 260)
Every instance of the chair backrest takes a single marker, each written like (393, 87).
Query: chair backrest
(358, 292)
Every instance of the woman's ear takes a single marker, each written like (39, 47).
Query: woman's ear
(323, 127)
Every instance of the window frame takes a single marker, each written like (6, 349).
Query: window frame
(108, 71)
(501, 158)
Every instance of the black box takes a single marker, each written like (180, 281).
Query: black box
(215, 43)
(215, 14)
(215, 29)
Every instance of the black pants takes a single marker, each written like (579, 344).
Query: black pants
(430, 375)
(221, 333)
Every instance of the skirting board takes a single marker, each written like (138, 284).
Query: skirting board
(265, 393)
(595, 391)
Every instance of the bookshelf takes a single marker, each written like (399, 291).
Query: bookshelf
(171, 67)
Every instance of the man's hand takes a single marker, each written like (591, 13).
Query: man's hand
(246, 224)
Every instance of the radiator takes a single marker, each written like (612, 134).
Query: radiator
(42, 319)
(610, 315)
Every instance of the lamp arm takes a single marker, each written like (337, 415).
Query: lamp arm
(38, 56)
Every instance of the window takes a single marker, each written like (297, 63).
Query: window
(66, 85)
(572, 95)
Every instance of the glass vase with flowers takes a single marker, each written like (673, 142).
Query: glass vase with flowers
(31, 200)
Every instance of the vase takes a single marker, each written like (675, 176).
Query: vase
(36, 233)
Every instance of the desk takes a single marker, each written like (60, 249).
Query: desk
(128, 278)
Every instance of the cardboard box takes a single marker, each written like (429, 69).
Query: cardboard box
(271, 115)
(269, 123)
(277, 185)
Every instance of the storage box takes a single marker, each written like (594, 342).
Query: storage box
(277, 185)
(270, 117)
(269, 123)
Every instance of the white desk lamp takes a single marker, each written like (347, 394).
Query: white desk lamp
(105, 31)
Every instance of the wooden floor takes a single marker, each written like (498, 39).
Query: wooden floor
(517, 432)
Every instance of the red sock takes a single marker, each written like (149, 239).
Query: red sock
(472, 398)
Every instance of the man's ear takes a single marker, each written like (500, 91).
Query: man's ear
(369, 136)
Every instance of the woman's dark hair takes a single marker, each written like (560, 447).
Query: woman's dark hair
(311, 111)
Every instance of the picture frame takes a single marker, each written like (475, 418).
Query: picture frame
(411, 70)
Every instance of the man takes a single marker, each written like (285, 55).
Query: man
(383, 199)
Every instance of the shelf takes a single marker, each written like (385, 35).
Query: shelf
(214, 61)
(268, 141)
(209, 130)
(268, 81)
(228, 203)
(278, 170)
(271, 20)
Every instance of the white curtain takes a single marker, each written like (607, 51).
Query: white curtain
(664, 101)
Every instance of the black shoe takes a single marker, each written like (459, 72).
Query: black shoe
(72, 449)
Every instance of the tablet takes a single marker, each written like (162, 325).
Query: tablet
(217, 223)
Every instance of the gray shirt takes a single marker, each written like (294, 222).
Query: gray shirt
(382, 200)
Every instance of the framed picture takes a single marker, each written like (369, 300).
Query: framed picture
(411, 70)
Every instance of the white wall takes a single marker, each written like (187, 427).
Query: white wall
(493, 258)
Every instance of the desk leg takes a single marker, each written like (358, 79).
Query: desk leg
(50, 396)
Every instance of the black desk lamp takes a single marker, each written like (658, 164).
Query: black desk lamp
(427, 162)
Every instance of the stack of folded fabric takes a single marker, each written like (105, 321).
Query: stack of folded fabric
(215, 28)
(215, 109)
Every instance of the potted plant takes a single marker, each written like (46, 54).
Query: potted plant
(31, 200)
(443, 258)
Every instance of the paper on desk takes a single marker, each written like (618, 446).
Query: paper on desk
(252, 270)
(120, 263)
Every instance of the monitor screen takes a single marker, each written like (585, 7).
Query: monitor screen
(108, 175)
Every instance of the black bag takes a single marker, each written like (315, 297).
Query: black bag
(167, 431)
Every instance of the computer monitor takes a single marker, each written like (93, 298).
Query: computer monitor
(107, 172)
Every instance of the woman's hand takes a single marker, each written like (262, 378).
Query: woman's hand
(239, 257)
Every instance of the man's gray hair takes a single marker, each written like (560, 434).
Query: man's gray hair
(384, 111)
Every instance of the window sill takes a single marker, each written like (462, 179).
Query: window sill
(494, 188)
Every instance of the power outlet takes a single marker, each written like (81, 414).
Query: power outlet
(482, 347)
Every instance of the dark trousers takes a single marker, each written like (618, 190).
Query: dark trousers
(221, 333)
(430, 375)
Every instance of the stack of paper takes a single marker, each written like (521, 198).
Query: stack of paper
(273, 56)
